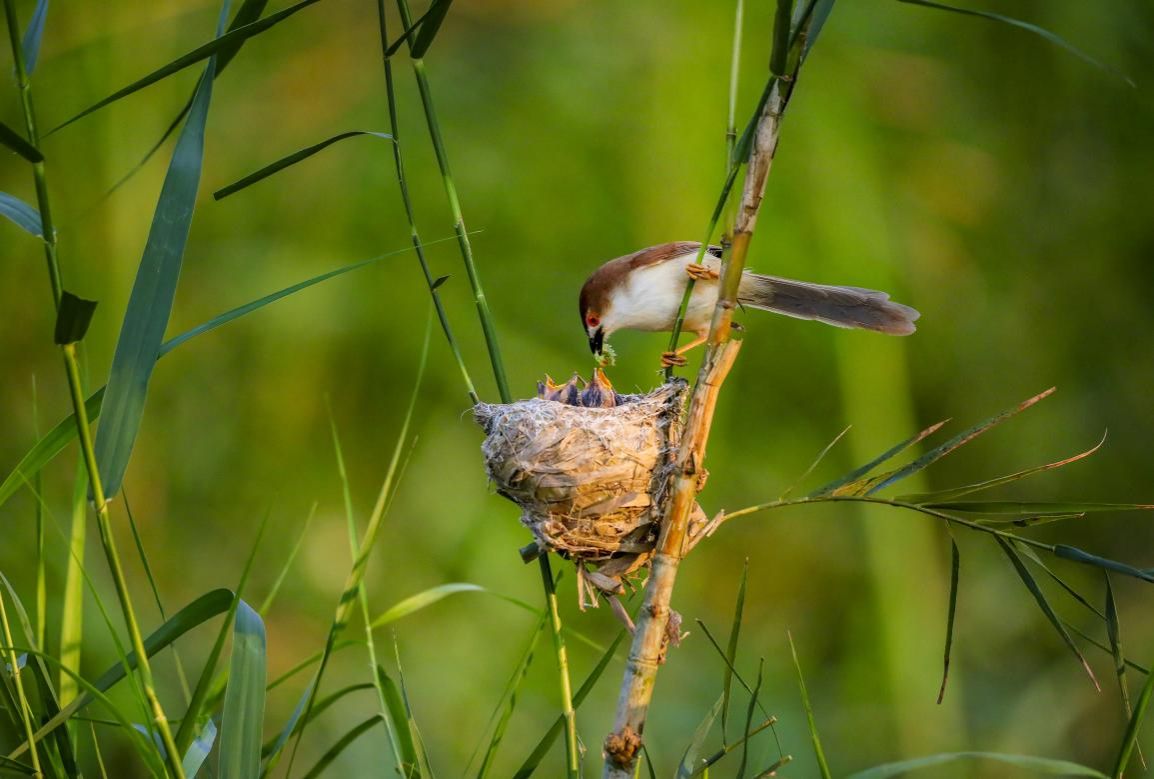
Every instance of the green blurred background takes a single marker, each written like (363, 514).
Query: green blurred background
(991, 179)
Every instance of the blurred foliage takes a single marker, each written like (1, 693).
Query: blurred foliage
(977, 172)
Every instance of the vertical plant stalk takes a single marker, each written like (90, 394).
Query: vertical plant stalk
(623, 743)
(21, 700)
(572, 750)
(76, 389)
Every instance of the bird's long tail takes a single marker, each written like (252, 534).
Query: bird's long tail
(868, 309)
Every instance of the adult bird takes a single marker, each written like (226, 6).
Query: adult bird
(644, 290)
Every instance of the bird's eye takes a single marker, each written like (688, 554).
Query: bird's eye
(593, 320)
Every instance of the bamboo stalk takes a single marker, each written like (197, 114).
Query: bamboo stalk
(623, 744)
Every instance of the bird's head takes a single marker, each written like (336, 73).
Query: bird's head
(594, 304)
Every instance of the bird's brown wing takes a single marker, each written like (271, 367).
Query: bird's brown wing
(665, 251)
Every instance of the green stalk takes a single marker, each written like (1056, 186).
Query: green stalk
(22, 700)
(489, 330)
(75, 386)
(403, 184)
(486, 317)
(41, 583)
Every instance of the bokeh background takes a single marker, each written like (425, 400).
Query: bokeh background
(989, 178)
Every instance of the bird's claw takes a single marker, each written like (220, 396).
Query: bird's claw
(701, 272)
(673, 359)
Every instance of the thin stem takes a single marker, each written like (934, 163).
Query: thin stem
(572, 756)
(403, 184)
(76, 389)
(21, 700)
(483, 312)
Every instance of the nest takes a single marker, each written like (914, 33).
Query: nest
(591, 482)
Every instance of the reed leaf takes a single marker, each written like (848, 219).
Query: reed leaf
(243, 718)
(835, 486)
(1130, 739)
(15, 141)
(33, 35)
(692, 751)
(333, 752)
(429, 27)
(955, 568)
(731, 649)
(21, 214)
(1041, 765)
(197, 753)
(290, 160)
(819, 754)
(508, 701)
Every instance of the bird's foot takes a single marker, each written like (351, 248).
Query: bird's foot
(673, 359)
(701, 272)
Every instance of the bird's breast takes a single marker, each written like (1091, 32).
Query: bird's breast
(651, 297)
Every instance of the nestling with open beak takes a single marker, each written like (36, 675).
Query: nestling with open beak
(643, 291)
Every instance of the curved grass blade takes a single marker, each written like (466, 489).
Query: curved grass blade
(290, 160)
(197, 753)
(731, 649)
(1057, 40)
(721, 653)
(538, 754)
(16, 767)
(955, 568)
(857, 473)
(1032, 585)
(1041, 765)
(1114, 634)
(429, 27)
(1130, 740)
(508, 700)
(421, 600)
(1073, 593)
(217, 45)
(21, 214)
(194, 614)
(398, 711)
(708, 762)
(243, 716)
(963, 438)
(33, 36)
(749, 721)
(318, 709)
(821, 11)
(150, 304)
(15, 141)
(1033, 508)
(690, 757)
(1077, 555)
(335, 750)
(817, 750)
(958, 492)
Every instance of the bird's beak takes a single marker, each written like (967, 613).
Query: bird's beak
(596, 340)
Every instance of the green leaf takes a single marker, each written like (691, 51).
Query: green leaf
(955, 568)
(749, 721)
(33, 36)
(1040, 765)
(290, 160)
(693, 750)
(508, 700)
(410, 767)
(538, 754)
(319, 708)
(884, 480)
(150, 304)
(21, 214)
(421, 600)
(731, 650)
(1130, 740)
(1032, 508)
(197, 753)
(218, 45)
(430, 25)
(821, 12)
(73, 318)
(1032, 585)
(1035, 29)
(853, 476)
(958, 492)
(813, 735)
(15, 141)
(243, 717)
(335, 750)
(194, 614)
(1114, 633)
(1078, 556)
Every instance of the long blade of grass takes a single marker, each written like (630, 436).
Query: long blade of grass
(1073, 593)
(689, 758)
(958, 492)
(732, 669)
(1042, 32)
(422, 600)
(33, 36)
(21, 214)
(290, 160)
(857, 473)
(955, 567)
(538, 754)
(150, 304)
(198, 753)
(813, 735)
(1130, 739)
(1077, 555)
(1042, 765)
(15, 141)
(749, 721)
(731, 650)
(963, 438)
(243, 717)
(319, 708)
(50, 445)
(1114, 634)
(410, 765)
(1032, 585)
(508, 700)
(284, 571)
(1033, 508)
(821, 11)
(429, 27)
(194, 614)
(217, 45)
(342, 743)
(26, 713)
(422, 754)
(708, 762)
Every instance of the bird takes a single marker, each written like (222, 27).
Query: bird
(644, 290)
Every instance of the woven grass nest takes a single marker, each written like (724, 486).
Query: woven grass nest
(590, 470)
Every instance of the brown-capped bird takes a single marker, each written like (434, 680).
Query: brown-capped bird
(643, 291)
